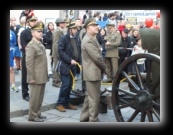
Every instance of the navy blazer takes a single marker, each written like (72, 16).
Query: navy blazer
(65, 51)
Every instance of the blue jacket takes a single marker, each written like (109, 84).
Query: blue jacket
(65, 51)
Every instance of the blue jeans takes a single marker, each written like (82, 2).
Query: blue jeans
(65, 90)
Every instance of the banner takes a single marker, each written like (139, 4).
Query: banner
(102, 24)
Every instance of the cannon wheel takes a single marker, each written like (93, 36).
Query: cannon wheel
(142, 100)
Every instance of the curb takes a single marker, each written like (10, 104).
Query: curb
(19, 113)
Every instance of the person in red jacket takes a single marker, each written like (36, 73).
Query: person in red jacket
(122, 26)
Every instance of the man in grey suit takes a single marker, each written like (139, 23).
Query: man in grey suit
(93, 66)
(37, 73)
(60, 23)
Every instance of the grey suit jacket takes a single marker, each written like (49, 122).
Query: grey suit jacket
(36, 62)
(92, 61)
(55, 37)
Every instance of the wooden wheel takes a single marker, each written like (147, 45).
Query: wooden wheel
(141, 102)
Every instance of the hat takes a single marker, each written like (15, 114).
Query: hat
(90, 22)
(31, 18)
(38, 26)
(72, 25)
(110, 24)
(126, 30)
(67, 21)
(59, 20)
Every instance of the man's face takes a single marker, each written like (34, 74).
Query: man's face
(13, 21)
(78, 22)
(62, 24)
(124, 35)
(32, 23)
(37, 34)
(93, 28)
(74, 31)
(135, 33)
(110, 28)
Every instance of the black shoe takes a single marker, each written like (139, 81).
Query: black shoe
(42, 117)
(26, 98)
(36, 120)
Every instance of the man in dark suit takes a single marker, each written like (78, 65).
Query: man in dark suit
(93, 66)
(25, 38)
(69, 54)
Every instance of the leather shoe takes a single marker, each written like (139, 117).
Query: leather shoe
(26, 98)
(57, 85)
(60, 108)
(70, 106)
(36, 120)
(42, 117)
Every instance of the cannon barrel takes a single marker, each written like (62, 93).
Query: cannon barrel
(150, 39)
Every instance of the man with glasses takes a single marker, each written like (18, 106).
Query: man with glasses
(37, 75)
(93, 66)
(25, 38)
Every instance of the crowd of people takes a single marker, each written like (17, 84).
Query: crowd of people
(46, 51)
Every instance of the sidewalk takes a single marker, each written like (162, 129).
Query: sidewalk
(19, 108)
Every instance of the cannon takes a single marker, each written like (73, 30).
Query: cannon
(142, 96)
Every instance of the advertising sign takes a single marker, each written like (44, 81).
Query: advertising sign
(141, 15)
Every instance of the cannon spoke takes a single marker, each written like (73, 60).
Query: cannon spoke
(156, 105)
(138, 76)
(135, 86)
(155, 113)
(156, 96)
(127, 92)
(143, 115)
(149, 115)
(126, 104)
(136, 112)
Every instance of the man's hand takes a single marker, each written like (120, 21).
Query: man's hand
(107, 44)
(32, 81)
(73, 62)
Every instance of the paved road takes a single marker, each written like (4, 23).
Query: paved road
(19, 107)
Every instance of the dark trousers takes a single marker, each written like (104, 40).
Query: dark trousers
(64, 94)
(83, 85)
(25, 88)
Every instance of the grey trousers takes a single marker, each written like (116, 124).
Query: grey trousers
(36, 100)
(90, 109)
(111, 67)
(56, 75)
